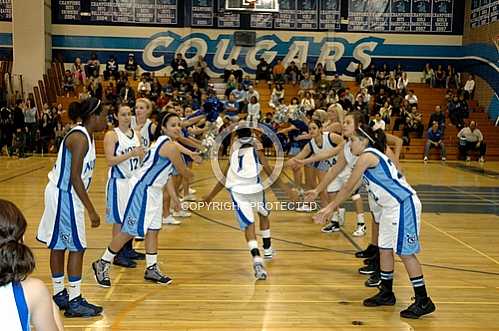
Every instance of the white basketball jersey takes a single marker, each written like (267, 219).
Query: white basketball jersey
(14, 313)
(386, 184)
(125, 145)
(146, 134)
(243, 175)
(327, 144)
(155, 169)
(349, 157)
(60, 175)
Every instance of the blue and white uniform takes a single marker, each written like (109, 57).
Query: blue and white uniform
(244, 184)
(118, 176)
(63, 221)
(400, 206)
(15, 312)
(327, 144)
(146, 133)
(144, 209)
(343, 176)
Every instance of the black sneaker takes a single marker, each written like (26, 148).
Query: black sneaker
(331, 227)
(61, 299)
(153, 274)
(367, 253)
(422, 306)
(124, 262)
(132, 254)
(79, 307)
(101, 272)
(383, 298)
(374, 280)
(369, 269)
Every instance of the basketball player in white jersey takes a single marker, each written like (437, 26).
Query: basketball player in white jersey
(24, 300)
(247, 192)
(124, 154)
(400, 220)
(141, 122)
(143, 212)
(62, 226)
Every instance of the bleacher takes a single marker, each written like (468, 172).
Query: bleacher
(428, 99)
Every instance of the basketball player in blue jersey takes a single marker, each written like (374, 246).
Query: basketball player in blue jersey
(400, 220)
(62, 226)
(247, 192)
(24, 300)
(143, 212)
(124, 154)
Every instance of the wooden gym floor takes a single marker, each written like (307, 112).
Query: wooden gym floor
(313, 284)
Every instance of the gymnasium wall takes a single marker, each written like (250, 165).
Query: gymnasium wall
(480, 36)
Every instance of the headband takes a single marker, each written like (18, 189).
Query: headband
(95, 108)
(366, 135)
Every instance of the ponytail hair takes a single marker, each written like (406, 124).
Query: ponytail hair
(377, 139)
(163, 120)
(81, 111)
(358, 118)
(16, 259)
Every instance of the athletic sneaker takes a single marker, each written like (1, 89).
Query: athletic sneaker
(481, 159)
(360, 230)
(422, 306)
(371, 267)
(367, 253)
(268, 253)
(383, 298)
(181, 213)
(331, 227)
(189, 197)
(468, 158)
(374, 280)
(443, 159)
(132, 254)
(79, 307)
(61, 299)
(341, 216)
(153, 274)
(260, 272)
(171, 220)
(101, 272)
(122, 261)
(425, 159)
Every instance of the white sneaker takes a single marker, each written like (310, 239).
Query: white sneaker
(468, 159)
(481, 159)
(192, 191)
(443, 159)
(360, 230)
(425, 158)
(341, 216)
(268, 253)
(189, 197)
(181, 213)
(170, 220)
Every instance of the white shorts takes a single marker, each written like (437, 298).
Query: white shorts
(117, 193)
(62, 226)
(339, 181)
(144, 209)
(399, 227)
(375, 208)
(244, 206)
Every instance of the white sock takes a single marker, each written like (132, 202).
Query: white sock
(151, 259)
(58, 284)
(265, 233)
(360, 218)
(252, 244)
(335, 216)
(257, 259)
(74, 289)
(108, 256)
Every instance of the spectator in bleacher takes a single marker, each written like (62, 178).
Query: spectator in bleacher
(252, 92)
(470, 139)
(262, 71)
(306, 84)
(435, 137)
(156, 89)
(337, 84)
(277, 96)
(253, 110)
(247, 82)
(318, 72)
(402, 83)
(382, 77)
(437, 116)
(398, 71)
(78, 72)
(127, 95)
(231, 108)
(385, 112)
(95, 88)
(240, 97)
(68, 82)
(30, 121)
(60, 131)
(231, 84)
(110, 95)
(92, 69)
(200, 77)
(377, 122)
(367, 83)
(6, 129)
(111, 69)
(201, 63)
(144, 87)
(455, 109)
(391, 85)
(308, 103)
(278, 72)
(469, 87)
(292, 73)
(379, 101)
(396, 101)
(131, 66)
(179, 65)
(19, 144)
(411, 98)
(429, 75)
(84, 94)
(413, 123)
(46, 129)
(233, 69)
(359, 73)
(304, 69)
(440, 78)
(452, 80)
